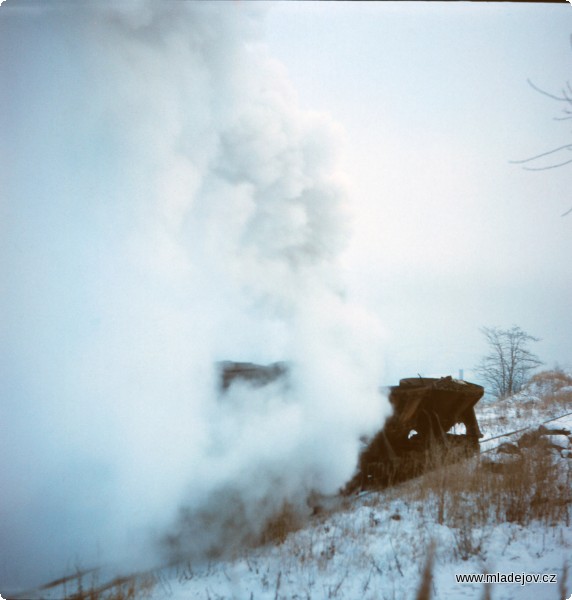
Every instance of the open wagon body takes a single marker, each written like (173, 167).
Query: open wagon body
(418, 434)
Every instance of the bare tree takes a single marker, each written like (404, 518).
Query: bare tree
(507, 366)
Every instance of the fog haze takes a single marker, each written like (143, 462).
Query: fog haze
(183, 183)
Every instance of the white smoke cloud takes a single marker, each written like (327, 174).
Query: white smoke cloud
(168, 206)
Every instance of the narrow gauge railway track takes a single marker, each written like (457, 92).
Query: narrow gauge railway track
(75, 580)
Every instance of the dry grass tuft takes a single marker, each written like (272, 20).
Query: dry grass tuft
(552, 381)
(471, 499)
(487, 590)
(424, 591)
(562, 582)
(288, 520)
(554, 387)
(134, 587)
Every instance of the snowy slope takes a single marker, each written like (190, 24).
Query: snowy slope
(375, 545)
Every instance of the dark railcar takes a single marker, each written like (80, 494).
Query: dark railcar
(418, 433)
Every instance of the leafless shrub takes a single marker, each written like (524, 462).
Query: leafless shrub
(468, 539)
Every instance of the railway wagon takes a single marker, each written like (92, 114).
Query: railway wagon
(418, 434)
(425, 410)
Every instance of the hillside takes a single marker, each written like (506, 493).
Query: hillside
(505, 513)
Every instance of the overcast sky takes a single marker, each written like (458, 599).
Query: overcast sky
(434, 101)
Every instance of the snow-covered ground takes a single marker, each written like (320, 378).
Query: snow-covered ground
(377, 549)
(537, 403)
(376, 545)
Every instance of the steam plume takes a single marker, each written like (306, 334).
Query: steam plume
(167, 205)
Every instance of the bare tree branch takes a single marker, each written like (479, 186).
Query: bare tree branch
(563, 98)
(548, 166)
(566, 97)
(526, 160)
